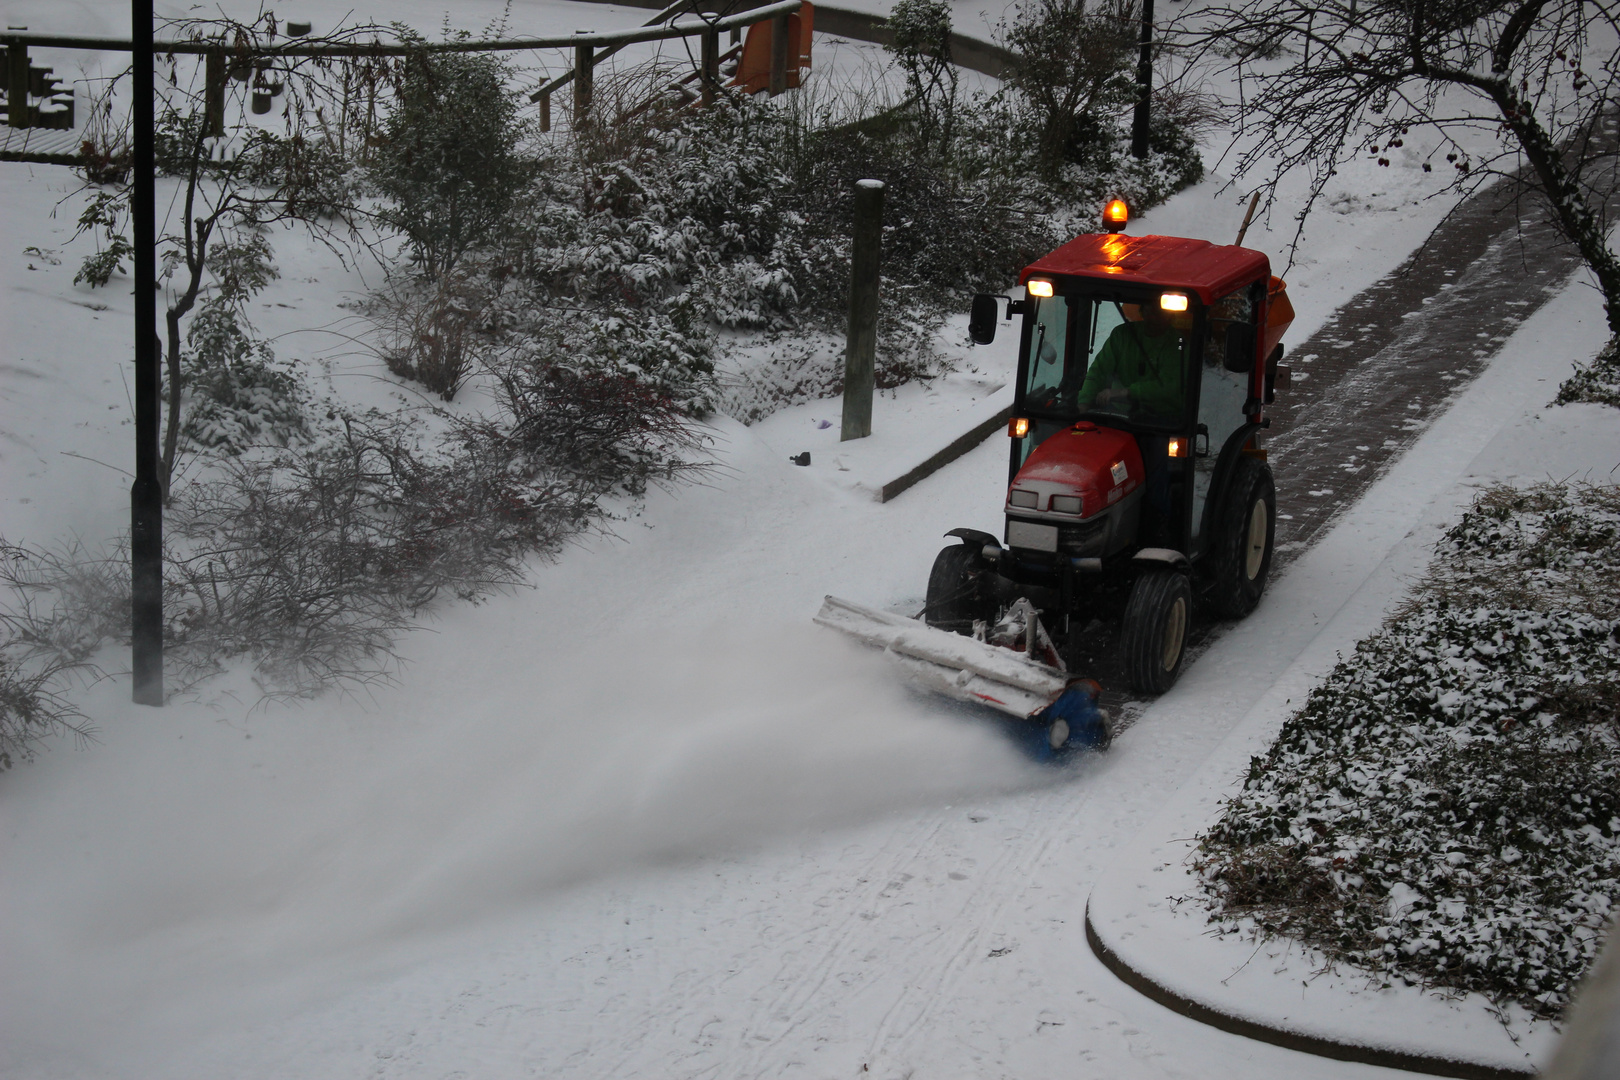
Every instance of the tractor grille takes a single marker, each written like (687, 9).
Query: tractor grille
(1084, 539)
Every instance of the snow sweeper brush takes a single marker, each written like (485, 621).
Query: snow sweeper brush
(1011, 667)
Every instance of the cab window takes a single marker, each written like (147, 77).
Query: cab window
(1107, 358)
(1048, 349)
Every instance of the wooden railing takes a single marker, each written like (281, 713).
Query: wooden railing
(586, 56)
(589, 48)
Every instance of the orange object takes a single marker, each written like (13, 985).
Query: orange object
(754, 66)
(1115, 215)
(1279, 314)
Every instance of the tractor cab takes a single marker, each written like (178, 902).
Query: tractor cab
(1136, 465)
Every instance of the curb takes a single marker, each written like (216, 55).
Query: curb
(937, 461)
(1291, 1040)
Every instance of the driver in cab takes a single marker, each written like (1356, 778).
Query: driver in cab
(1138, 370)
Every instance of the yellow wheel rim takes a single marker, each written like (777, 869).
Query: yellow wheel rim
(1255, 554)
(1175, 632)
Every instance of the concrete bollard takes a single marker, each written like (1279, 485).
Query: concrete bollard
(860, 349)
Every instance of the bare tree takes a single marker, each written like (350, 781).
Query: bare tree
(1531, 81)
(238, 181)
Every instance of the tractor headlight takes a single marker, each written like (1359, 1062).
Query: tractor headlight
(1066, 504)
(1173, 301)
(1026, 500)
(1018, 427)
(1038, 287)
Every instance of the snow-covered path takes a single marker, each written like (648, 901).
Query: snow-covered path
(641, 820)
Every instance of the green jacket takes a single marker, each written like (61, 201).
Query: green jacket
(1149, 367)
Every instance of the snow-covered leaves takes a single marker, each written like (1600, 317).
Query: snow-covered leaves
(1445, 808)
(237, 393)
(1597, 381)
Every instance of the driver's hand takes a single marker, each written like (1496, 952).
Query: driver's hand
(1105, 397)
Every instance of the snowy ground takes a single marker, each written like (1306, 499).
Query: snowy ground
(640, 820)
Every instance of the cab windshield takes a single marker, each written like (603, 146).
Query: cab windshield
(1106, 358)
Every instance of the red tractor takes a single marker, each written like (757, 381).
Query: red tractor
(1137, 477)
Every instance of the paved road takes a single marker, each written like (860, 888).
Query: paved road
(1374, 376)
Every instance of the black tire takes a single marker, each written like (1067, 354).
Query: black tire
(1154, 637)
(955, 595)
(1245, 533)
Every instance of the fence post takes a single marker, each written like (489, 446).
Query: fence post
(545, 112)
(860, 349)
(582, 80)
(779, 53)
(711, 64)
(736, 36)
(214, 94)
(17, 85)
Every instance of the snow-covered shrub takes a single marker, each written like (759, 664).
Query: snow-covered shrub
(59, 605)
(239, 395)
(1074, 79)
(1072, 95)
(647, 230)
(447, 160)
(921, 46)
(598, 431)
(309, 561)
(1445, 808)
(436, 331)
(1597, 381)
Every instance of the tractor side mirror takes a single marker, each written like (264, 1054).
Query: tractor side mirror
(982, 320)
(1239, 348)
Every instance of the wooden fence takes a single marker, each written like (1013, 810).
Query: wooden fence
(22, 141)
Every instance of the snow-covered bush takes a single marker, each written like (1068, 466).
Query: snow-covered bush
(648, 231)
(1597, 381)
(239, 395)
(1074, 76)
(448, 160)
(1445, 808)
(921, 46)
(60, 605)
(308, 561)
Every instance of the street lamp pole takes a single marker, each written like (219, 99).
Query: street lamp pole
(146, 494)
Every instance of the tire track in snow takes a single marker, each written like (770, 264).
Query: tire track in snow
(993, 897)
(803, 993)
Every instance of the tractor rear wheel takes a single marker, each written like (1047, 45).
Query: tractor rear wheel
(1245, 531)
(1154, 637)
(955, 595)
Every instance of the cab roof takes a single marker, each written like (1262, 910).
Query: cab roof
(1166, 262)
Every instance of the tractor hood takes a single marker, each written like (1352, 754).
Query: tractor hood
(1099, 465)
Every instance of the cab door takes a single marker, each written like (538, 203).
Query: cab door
(1049, 327)
(1225, 387)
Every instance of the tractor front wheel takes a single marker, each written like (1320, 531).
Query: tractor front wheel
(1244, 536)
(1154, 636)
(955, 596)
